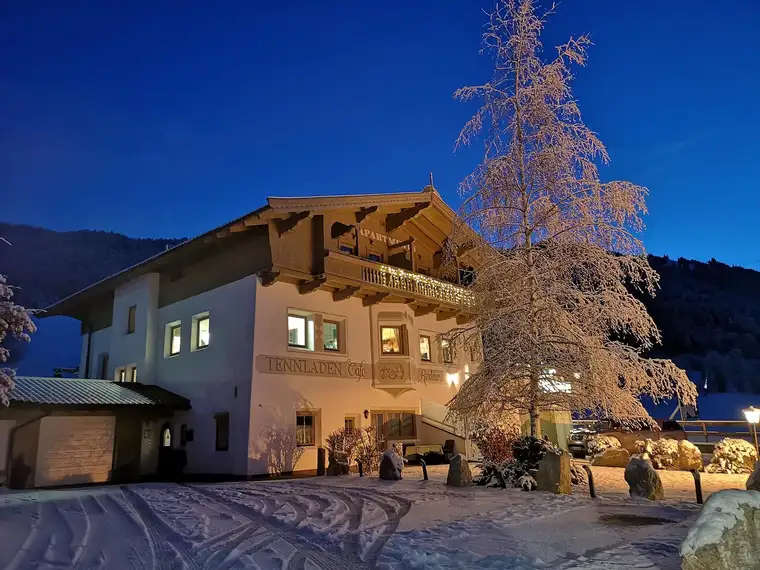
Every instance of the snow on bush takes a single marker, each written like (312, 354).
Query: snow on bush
(733, 456)
(495, 441)
(527, 483)
(663, 453)
(721, 512)
(16, 321)
(601, 443)
(347, 440)
(527, 452)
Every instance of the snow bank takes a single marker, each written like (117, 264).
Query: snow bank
(722, 512)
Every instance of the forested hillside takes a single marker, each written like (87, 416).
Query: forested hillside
(48, 265)
(709, 313)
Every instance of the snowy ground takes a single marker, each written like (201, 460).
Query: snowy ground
(341, 523)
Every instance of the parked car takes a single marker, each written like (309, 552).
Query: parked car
(581, 434)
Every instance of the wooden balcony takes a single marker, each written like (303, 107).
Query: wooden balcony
(395, 284)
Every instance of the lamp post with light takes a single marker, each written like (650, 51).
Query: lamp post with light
(753, 417)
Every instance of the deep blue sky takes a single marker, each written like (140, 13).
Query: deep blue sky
(165, 118)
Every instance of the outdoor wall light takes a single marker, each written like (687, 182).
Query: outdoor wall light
(453, 379)
(753, 417)
(366, 414)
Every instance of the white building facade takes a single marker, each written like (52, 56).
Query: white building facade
(302, 318)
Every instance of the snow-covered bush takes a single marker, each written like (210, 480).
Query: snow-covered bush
(600, 443)
(668, 453)
(346, 440)
(527, 483)
(733, 456)
(527, 452)
(495, 441)
(369, 449)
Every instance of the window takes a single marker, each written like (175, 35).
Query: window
(297, 328)
(446, 352)
(331, 335)
(166, 436)
(203, 325)
(103, 374)
(305, 429)
(391, 341)
(345, 248)
(425, 348)
(374, 256)
(131, 316)
(175, 339)
(423, 270)
(394, 425)
(133, 376)
(222, 431)
(349, 422)
(121, 374)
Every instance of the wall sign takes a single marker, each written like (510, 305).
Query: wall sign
(310, 367)
(429, 376)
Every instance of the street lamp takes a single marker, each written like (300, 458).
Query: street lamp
(753, 417)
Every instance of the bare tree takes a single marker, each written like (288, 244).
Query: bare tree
(16, 321)
(556, 325)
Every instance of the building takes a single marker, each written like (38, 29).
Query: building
(305, 316)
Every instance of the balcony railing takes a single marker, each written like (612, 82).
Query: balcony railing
(418, 284)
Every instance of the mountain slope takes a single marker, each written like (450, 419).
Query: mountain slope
(47, 265)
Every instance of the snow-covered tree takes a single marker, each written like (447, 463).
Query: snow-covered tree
(16, 321)
(556, 325)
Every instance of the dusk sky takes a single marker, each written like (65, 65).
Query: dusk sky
(168, 118)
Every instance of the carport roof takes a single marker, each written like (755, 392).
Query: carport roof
(87, 392)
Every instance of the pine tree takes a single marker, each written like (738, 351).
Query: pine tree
(556, 325)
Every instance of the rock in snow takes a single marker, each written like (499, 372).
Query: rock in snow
(391, 466)
(338, 463)
(459, 472)
(753, 481)
(554, 473)
(726, 536)
(643, 481)
(611, 457)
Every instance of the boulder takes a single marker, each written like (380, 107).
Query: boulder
(554, 473)
(643, 481)
(753, 481)
(578, 476)
(611, 457)
(726, 536)
(391, 466)
(459, 472)
(338, 464)
(689, 456)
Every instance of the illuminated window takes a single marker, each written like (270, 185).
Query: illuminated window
(297, 327)
(133, 376)
(425, 348)
(204, 332)
(121, 374)
(391, 340)
(305, 429)
(331, 335)
(175, 339)
(446, 352)
(166, 436)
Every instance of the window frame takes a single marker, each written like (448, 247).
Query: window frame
(305, 319)
(386, 420)
(429, 348)
(222, 431)
(376, 253)
(172, 328)
(195, 334)
(313, 416)
(131, 319)
(401, 351)
(339, 338)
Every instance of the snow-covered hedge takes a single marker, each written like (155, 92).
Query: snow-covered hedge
(495, 441)
(733, 456)
(600, 443)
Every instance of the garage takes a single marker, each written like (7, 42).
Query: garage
(74, 450)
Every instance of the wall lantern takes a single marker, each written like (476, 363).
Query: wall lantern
(366, 414)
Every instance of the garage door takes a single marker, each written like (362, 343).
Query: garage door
(74, 449)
